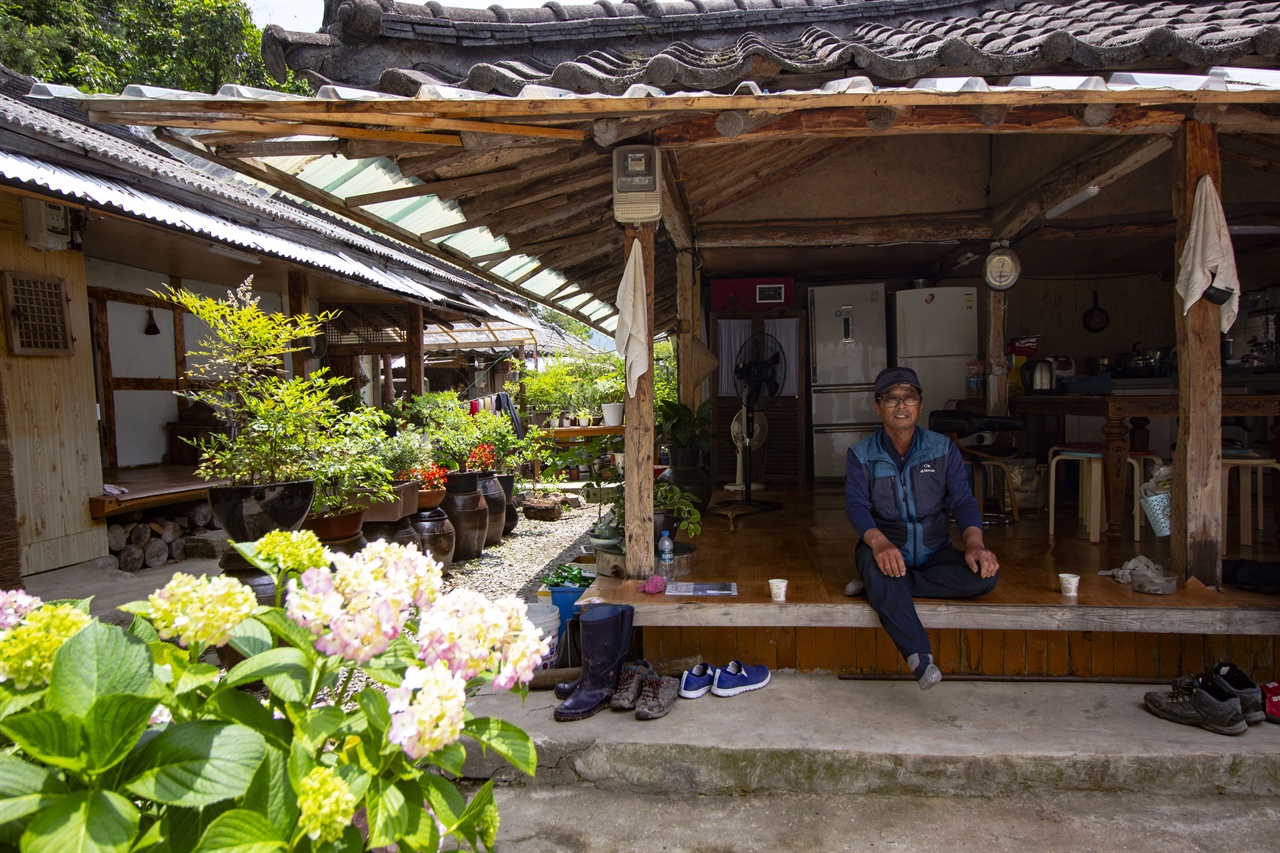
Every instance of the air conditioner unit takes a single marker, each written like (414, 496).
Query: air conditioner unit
(47, 226)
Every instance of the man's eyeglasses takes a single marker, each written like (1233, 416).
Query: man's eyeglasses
(894, 402)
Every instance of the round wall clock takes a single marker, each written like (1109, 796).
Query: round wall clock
(1001, 269)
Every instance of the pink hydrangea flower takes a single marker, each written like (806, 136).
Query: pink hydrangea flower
(472, 635)
(14, 604)
(427, 710)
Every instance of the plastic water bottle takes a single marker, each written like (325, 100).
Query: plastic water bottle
(666, 556)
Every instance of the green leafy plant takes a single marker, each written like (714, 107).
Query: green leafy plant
(680, 504)
(350, 474)
(127, 740)
(276, 427)
(451, 429)
(680, 426)
(496, 430)
(408, 449)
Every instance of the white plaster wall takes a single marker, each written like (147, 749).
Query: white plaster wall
(142, 416)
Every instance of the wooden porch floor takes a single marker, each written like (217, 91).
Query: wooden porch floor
(809, 542)
(148, 486)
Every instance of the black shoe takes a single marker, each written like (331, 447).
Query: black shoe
(564, 689)
(1191, 705)
(1231, 681)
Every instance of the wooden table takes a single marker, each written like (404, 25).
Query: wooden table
(566, 436)
(1141, 408)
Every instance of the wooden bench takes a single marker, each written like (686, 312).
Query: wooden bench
(149, 486)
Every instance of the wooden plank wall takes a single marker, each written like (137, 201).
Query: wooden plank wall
(1029, 654)
(52, 424)
(1137, 307)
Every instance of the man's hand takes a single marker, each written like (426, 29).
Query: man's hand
(981, 560)
(976, 555)
(888, 557)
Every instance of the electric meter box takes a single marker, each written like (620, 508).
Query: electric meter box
(47, 226)
(637, 184)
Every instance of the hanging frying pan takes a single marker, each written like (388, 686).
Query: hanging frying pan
(1095, 319)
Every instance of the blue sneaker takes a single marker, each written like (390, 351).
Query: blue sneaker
(737, 678)
(697, 681)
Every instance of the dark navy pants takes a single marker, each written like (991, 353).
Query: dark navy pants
(944, 575)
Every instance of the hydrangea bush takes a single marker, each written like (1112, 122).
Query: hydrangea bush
(129, 740)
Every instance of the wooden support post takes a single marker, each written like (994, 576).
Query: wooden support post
(997, 373)
(413, 355)
(108, 419)
(1197, 524)
(688, 323)
(299, 303)
(638, 444)
(179, 350)
(388, 382)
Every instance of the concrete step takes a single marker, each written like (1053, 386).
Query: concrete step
(803, 733)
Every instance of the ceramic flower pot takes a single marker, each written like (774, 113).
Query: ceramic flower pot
(508, 483)
(496, 501)
(335, 528)
(437, 534)
(468, 513)
(248, 513)
(429, 499)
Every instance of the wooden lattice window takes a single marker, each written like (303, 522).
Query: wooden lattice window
(36, 315)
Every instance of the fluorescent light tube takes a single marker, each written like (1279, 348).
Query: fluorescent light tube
(1079, 198)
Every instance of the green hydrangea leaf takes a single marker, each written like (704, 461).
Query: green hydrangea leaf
(195, 764)
(113, 726)
(507, 740)
(98, 660)
(241, 831)
(86, 822)
(48, 737)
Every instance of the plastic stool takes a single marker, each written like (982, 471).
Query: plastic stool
(1090, 459)
(1258, 467)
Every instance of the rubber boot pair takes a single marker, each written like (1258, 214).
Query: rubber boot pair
(606, 638)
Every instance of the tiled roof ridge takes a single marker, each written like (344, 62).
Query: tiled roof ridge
(369, 19)
(692, 45)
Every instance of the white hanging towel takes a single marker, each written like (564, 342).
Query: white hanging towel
(1208, 258)
(632, 336)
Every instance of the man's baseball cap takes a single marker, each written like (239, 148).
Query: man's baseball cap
(891, 376)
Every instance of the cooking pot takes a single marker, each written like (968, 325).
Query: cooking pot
(1039, 377)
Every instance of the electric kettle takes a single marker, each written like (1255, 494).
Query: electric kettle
(1039, 377)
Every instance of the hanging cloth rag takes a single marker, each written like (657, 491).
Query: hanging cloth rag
(1207, 259)
(632, 336)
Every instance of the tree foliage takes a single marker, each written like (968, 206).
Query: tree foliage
(105, 45)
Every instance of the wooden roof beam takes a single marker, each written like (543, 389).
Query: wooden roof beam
(949, 119)
(1105, 165)
(443, 189)
(935, 228)
(675, 204)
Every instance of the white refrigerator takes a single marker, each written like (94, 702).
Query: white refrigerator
(936, 334)
(849, 346)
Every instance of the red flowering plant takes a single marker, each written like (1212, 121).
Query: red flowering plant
(431, 475)
(482, 458)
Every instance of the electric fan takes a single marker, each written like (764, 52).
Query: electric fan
(758, 373)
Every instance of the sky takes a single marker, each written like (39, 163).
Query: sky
(304, 15)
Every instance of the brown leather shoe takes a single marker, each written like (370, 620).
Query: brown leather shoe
(624, 698)
(657, 695)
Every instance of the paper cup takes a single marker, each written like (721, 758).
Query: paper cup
(778, 589)
(1070, 584)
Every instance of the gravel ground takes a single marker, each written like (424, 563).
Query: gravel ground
(512, 567)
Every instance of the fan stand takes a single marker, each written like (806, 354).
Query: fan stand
(744, 506)
(739, 484)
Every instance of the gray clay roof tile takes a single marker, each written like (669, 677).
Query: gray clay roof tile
(708, 44)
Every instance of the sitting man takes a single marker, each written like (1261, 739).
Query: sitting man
(899, 485)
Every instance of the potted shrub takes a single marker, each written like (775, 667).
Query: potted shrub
(611, 390)
(400, 454)
(432, 477)
(687, 432)
(349, 476)
(275, 425)
(674, 509)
